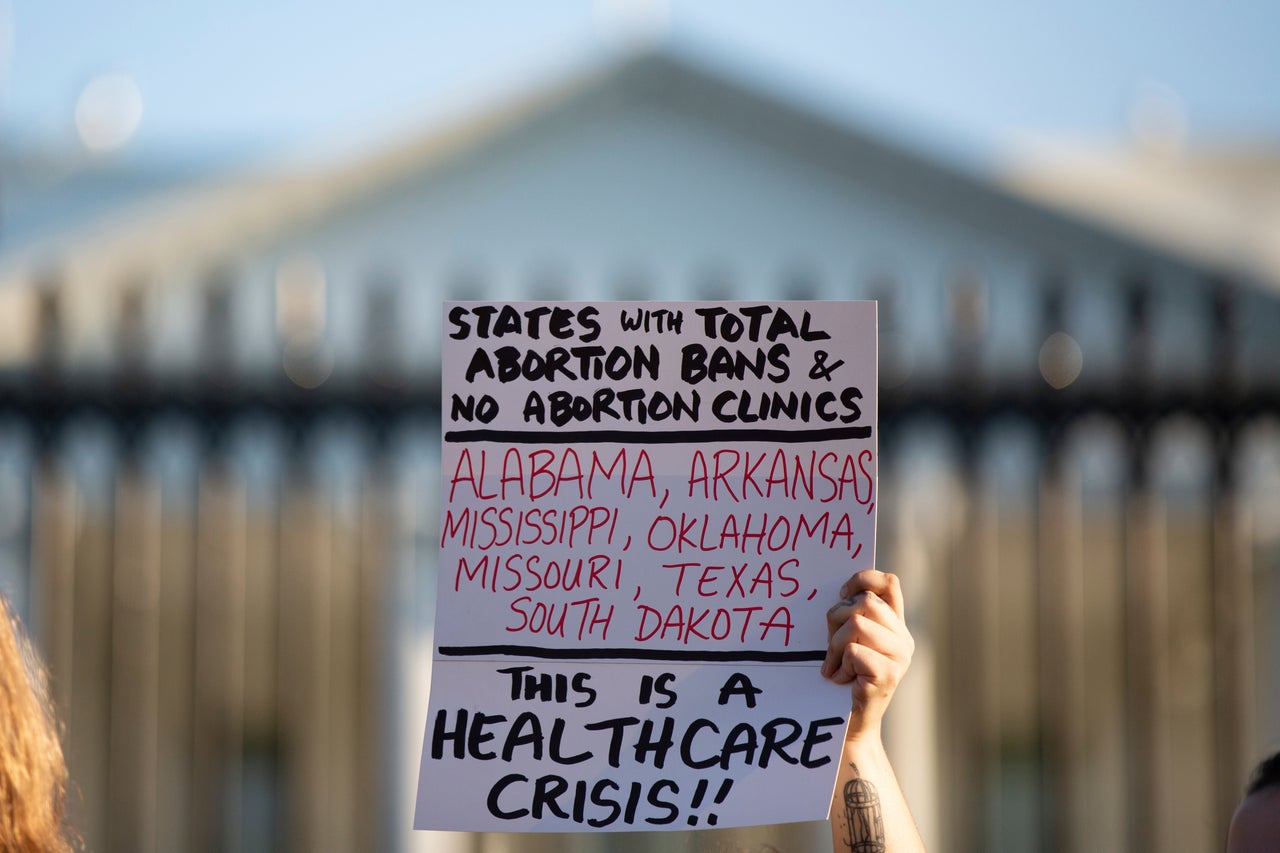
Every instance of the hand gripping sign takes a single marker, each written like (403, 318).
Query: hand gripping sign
(647, 509)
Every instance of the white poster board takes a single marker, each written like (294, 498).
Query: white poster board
(647, 509)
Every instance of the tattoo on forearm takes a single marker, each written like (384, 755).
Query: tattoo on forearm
(864, 824)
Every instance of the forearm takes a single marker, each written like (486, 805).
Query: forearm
(869, 813)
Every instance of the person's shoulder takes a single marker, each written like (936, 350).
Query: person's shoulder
(1255, 827)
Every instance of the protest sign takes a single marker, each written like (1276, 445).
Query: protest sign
(647, 509)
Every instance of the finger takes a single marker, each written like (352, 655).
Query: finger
(841, 631)
(883, 584)
(875, 608)
(865, 604)
(838, 631)
(839, 612)
(831, 661)
(867, 608)
(894, 644)
(862, 632)
(880, 672)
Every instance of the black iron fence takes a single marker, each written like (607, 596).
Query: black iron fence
(226, 572)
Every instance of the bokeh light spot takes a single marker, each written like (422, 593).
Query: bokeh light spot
(1060, 360)
(108, 112)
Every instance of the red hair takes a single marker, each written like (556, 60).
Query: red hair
(33, 775)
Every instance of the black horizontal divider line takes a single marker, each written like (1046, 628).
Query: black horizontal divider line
(623, 436)
(634, 654)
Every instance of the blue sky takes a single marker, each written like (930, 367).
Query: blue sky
(259, 76)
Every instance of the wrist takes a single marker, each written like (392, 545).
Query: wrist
(862, 729)
(866, 750)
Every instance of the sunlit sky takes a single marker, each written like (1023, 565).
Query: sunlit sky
(257, 77)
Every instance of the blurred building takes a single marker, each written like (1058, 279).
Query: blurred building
(1218, 205)
(219, 439)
